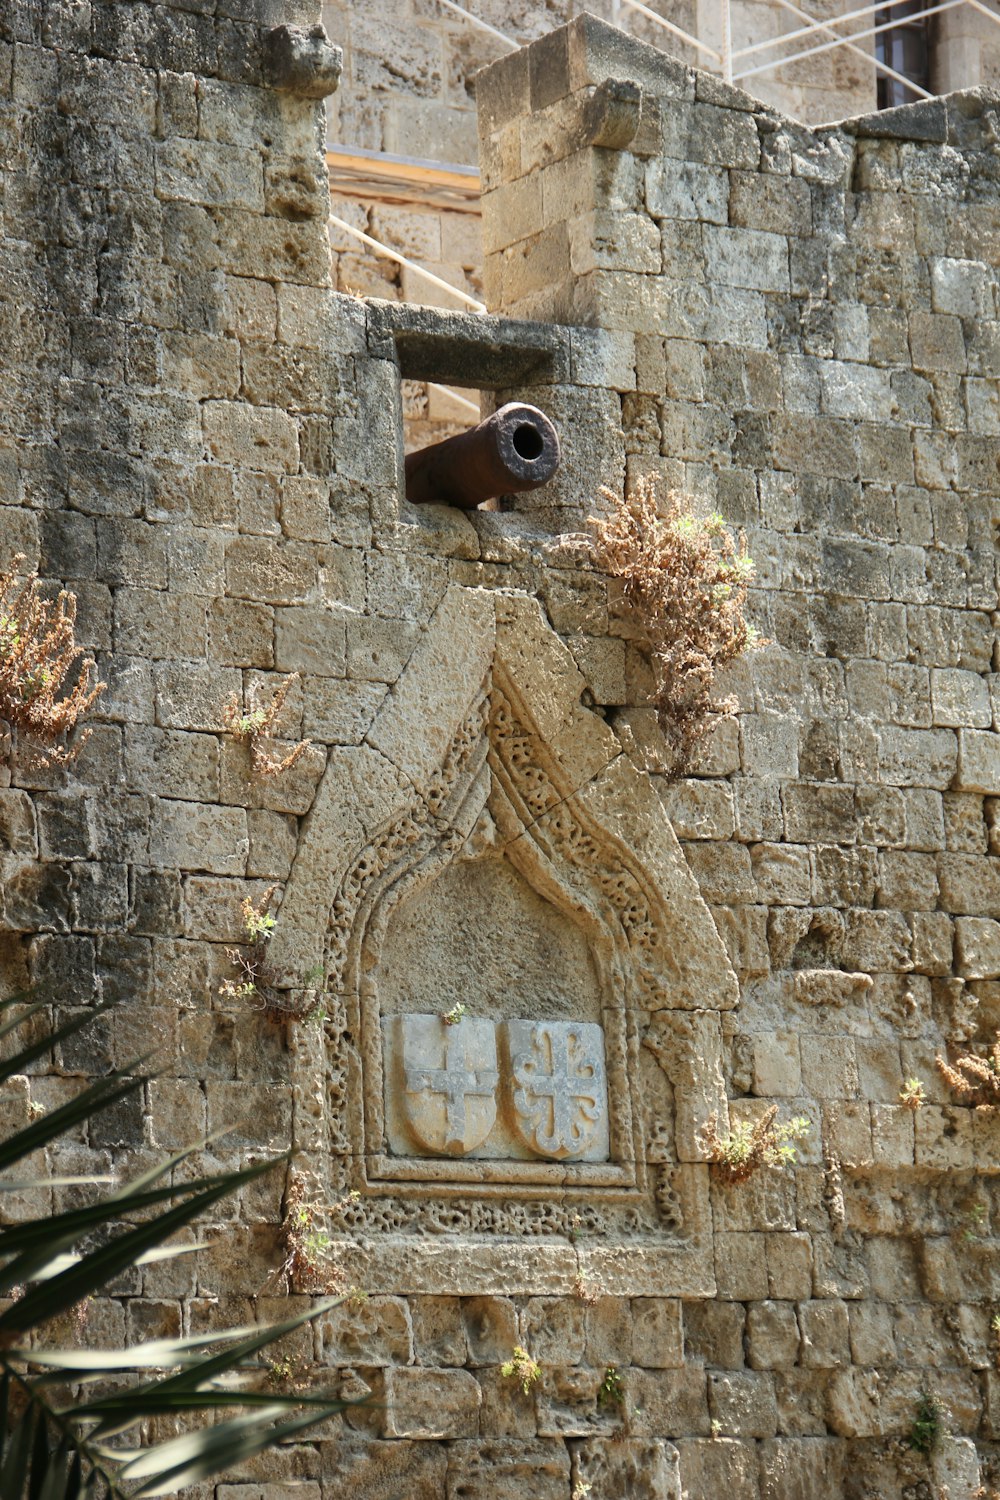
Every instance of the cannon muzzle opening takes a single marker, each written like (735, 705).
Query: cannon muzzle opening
(516, 449)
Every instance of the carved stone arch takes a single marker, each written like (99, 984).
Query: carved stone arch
(483, 752)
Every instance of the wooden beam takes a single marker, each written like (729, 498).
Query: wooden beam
(384, 178)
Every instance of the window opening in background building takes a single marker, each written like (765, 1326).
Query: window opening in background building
(905, 47)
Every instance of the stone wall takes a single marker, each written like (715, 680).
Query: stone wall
(414, 96)
(801, 326)
(203, 440)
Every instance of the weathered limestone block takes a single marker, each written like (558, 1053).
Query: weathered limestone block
(713, 1334)
(609, 1332)
(777, 1068)
(431, 1404)
(199, 836)
(380, 1470)
(918, 757)
(554, 1330)
(687, 190)
(719, 1466)
(978, 761)
(743, 1403)
(945, 1137)
(773, 1334)
(507, 1469)
(699, 809)
(491, 1328)
(741, 1267)
(657, 1336)
(955, 1467)
(960, 699)
(802, 1468)
(969, 884)
(782, 873)
(892, 1135)
(250, 438)
(669, 1401)
(853, 1403)
(829, 1067)
(377, 1330)
(439, 1336)
(643, 1468)
(825, 1335)
(977, 941)
(566, 1403)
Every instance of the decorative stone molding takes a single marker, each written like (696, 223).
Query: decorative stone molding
(510, 805)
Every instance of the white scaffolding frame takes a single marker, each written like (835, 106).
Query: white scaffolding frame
(724, 57)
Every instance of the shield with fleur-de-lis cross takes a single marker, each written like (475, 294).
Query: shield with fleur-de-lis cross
(449, 1081)
(557, 1086)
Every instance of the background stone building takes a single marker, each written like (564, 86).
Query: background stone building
(203, 440)
(408, 92)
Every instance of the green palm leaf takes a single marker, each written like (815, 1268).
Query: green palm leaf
(53, 1439)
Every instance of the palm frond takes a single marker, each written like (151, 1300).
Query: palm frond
(57, 1413)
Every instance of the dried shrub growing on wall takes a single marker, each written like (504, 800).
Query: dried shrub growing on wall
(306, 1265)
(45, 686)
(257, 983)
(686, 578)
(522, 1368)
(736, 1156)
(912, 1095)
(976, 1080)
(249, 959)
(255, 724)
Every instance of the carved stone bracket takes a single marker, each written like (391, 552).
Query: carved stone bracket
(302, 62)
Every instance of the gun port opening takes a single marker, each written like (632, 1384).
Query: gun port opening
(433, 412)
(528, 441)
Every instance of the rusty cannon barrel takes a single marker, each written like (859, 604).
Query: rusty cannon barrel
(516, 449)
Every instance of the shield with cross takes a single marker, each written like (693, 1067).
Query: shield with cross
(449, 1081)
(557, 1086)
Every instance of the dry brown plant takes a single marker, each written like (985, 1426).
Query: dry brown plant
(254, 727)
(747, 1147)
(46, 684)
(912, 1095)
(306, 1265)
(976, 1080)
(250, 958)
(686, 577)
(587, 1290)
(258, 984)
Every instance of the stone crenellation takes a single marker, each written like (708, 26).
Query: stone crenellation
(481, 849)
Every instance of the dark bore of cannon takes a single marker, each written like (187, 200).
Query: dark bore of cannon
(516, 449)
